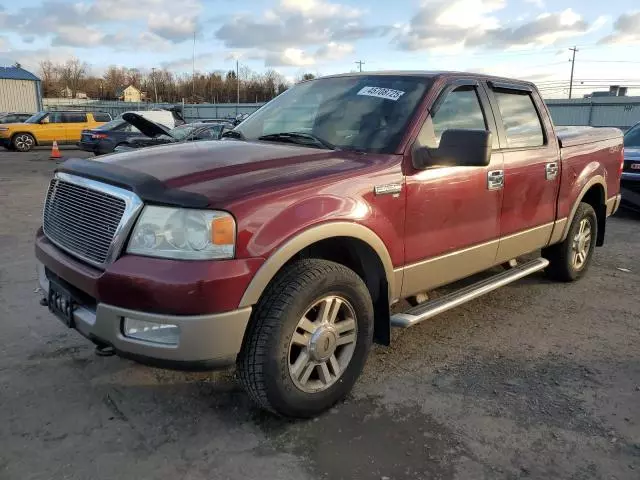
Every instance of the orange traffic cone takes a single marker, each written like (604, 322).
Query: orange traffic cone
(55, 151)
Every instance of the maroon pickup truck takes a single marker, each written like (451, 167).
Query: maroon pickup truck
(282, 248)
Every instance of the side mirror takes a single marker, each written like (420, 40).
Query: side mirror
(462, 148)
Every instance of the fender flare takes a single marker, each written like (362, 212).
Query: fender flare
(596, 180)
(308, 237)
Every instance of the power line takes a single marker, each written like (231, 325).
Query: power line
(359, 63)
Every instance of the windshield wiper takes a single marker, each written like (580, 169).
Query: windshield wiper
(300, 138)
(233, 134)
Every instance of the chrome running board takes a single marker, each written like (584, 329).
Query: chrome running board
(437, 306)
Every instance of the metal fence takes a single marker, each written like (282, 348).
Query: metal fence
(190, 112)
(621, 112)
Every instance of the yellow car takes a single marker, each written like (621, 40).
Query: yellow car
(46, 127)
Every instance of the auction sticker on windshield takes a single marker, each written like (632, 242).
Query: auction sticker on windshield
(386, 93)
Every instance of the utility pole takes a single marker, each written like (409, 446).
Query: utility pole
(359, 63)
(573, 62)
(155, 89)
(237, 85)
(193, 68)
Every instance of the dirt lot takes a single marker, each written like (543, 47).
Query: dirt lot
(537, 380)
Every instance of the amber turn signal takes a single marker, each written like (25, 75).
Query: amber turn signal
(223, 231)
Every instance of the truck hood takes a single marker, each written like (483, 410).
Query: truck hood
(146, 126)
(229, 170)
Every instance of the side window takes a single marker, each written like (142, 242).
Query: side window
(460, 110)
(521, 121)
(101, 117)
(55, 117)
(74, 117)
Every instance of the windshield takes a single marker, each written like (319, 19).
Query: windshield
(36, 118)
(632, 137)
(366, 113)
(182, 132)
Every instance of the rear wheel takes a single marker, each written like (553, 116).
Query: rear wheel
(570, 260)
(308, 340)
(23, 142)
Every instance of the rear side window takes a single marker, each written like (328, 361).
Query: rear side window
(460, 110)
(74, 117)
(101, 117)
(632, 137)
(521, 121)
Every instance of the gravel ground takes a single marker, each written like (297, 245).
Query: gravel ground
(537, 380)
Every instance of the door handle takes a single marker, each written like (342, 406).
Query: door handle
(551, 170)
(495, 179)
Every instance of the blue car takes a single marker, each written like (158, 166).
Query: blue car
(631, 172)
(107, 137)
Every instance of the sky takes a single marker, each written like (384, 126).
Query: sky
(527, 39)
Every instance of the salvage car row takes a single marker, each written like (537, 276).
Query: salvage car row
(98, 133)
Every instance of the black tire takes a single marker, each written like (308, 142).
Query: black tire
(561, 256)
(23, 142)
(263, 363)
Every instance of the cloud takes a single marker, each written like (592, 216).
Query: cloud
(334, 51)
(537, 3)
(547, 29)
(626, 29)
(446, 25)
(289, 57)
(173, 28)
(319, 9)
(283, 34)
(91, 24)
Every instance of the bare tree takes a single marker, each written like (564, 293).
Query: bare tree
(72, 72)
(50, 75)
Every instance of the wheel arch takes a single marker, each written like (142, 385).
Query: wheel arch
(594, 192)
(349, 244)
(35, 139)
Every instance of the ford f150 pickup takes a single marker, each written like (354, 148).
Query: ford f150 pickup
(282, 248)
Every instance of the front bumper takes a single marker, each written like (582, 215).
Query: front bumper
(205, 341)
(5, 142)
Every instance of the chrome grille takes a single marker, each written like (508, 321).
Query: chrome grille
(88, 219)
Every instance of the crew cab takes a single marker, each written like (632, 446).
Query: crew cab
(44, 128)
(282, 248)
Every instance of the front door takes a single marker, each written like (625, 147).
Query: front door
(50, 129)
(531, 167)
(453, 213)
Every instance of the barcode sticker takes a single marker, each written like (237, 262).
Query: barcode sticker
(386, 93)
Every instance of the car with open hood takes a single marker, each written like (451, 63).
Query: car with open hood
(106, 138)
(154, 133)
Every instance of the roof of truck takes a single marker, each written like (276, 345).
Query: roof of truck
(430, 74)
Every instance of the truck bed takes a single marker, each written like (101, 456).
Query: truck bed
(573, 136)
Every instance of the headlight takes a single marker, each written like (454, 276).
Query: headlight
(183, 233)
(4, 129)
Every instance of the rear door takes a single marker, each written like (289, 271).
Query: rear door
(531, 169)
(74, 123)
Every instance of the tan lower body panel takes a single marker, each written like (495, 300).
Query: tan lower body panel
(448, 268)
(439, 271)
(520, 243)
(558, 230)
(612, 204)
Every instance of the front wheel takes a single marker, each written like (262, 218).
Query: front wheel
(23, 142)
(308, 340)
(570, 260)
